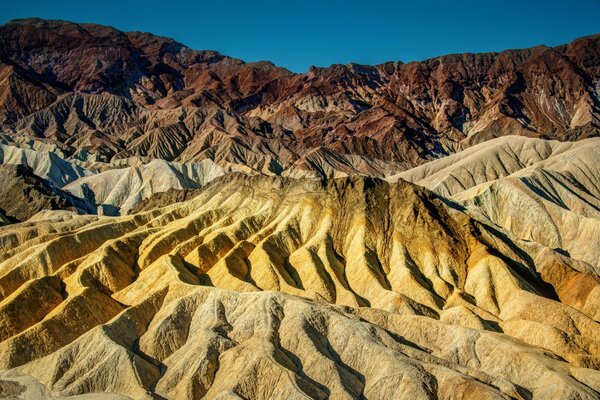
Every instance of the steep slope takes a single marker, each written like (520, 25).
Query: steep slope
(259, 255)
(163, 199)
(23, 194)
(325, 163)
(118, 190)
(351, 287)
(118, 95)
(97, 187)
(543, 191)
(495, 159)
(45, 164)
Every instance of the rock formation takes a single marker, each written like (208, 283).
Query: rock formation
(180, 224)
(265, 287)
(162, 199)
(116, 95)
(118, 190)
(513, 181)
(24, 194)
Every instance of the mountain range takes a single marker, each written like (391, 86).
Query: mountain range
(101, 94)
(180, 224)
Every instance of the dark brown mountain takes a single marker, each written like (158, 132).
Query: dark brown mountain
(118, 94)
(23, 194)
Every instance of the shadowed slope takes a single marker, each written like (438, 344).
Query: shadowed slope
(542, 191)
(23, 194)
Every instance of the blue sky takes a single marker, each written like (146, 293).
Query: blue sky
(298, 34)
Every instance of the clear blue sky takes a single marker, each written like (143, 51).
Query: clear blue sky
(298, 34)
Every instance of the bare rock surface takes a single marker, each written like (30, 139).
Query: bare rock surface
(162, 199)
(44, 164)
(113, 95)
(23, 194)
(542, 191)
(266, 287)
(420, 230)
(118, 190)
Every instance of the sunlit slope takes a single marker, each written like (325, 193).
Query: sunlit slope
(350, 287)
(539, 190)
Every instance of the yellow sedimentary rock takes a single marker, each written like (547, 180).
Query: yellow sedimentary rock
(265, 287)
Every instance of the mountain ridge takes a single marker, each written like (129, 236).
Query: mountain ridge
(176, 223)
(304, 279)
(120, 95)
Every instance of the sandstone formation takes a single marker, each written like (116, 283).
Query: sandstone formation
(265, 287)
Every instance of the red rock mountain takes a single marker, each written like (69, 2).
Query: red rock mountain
(116, 94)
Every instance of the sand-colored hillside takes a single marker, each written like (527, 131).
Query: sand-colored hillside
(118, 190)
(542, 191)
(263, 287)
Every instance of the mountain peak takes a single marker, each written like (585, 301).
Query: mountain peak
(393, 114)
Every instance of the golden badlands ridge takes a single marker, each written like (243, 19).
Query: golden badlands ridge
(487, 287)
